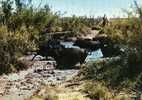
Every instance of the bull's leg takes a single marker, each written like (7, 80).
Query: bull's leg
(83, 57)
(82, 61)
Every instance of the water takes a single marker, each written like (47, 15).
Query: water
(93, 56)
(68, 45)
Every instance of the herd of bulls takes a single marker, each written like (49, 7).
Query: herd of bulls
(68, 57)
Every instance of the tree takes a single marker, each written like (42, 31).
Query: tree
(138, 9)
(18, 5)
(7, 10)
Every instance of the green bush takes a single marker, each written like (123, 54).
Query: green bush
(116, 72)
(122, 97)
(88, 71)
(104, 69)
(95, 91)
(12, 46)
(138, 84)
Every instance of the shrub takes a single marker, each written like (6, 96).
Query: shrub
(12, 46)
(138, 84)
(122, 97)
(116, 72)
(95, 91)
(88, 71)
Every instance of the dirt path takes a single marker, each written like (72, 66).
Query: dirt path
(22, 85)
(92, 34)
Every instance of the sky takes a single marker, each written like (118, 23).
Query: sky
(95, 8)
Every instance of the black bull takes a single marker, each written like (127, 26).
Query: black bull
(65, 57)
(106, 45)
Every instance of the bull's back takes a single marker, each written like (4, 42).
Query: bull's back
(76, 54)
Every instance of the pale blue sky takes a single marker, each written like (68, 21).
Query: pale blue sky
(112, 8)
